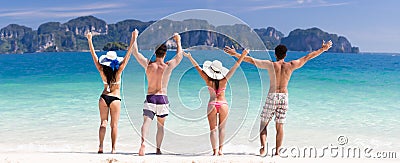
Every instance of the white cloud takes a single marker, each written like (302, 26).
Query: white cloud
(286, 5)
(298, 4)
(15, 13)
(60, 12)
(88, 7)
(77, 14)
(300, 1)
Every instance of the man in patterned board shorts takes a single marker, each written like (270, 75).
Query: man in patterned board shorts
(276, 104)
(277, 101)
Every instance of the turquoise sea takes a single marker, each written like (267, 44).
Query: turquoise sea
(49, 102)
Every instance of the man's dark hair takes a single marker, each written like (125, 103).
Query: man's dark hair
(280, 52)
(161, 51)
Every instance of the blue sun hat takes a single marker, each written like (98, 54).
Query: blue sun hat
(111, 59)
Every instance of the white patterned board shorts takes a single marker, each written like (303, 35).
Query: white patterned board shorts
(156, 105)
(276, 104)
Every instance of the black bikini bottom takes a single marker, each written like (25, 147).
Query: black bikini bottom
(109, 99)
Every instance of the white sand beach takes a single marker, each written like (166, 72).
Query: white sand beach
(130, 157)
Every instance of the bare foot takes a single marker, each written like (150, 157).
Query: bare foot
(277, 151)
(100, 149)
(113, 151)
(141, 150)
(158, 152)
(263, 153)
(215, 152)
(220, 153)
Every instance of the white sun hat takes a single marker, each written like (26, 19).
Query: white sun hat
(109, 57)
(214, 69)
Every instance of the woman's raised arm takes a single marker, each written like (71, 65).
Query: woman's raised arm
(128, 53)
(237, 64)
(196, 65)
(94, 56)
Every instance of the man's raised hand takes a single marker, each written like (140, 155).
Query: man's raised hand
(187, 54)
(230, 50)
(177, 37)
(89, 36)
(245, 52)
(326, 46)
(135, 33)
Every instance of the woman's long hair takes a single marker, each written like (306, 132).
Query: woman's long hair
(216, 83)
(110, 74)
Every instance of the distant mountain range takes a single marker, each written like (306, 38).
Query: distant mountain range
(70, 36)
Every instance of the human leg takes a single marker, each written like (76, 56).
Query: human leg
(212, 121)
(144, 130)
(279, 137)
(263, 137)
(103, 109)
(115, 109)
(160, 133)
(223, 117)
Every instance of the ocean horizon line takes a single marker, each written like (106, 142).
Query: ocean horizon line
(211, 49)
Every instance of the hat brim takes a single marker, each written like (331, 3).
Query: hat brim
(106, 62)
(212, 74)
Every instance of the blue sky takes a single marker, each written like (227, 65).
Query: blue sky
(372, 25)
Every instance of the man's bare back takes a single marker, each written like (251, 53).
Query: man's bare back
(157, 74)
(283, 71)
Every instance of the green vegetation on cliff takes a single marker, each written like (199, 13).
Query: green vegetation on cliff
(70, 36)
(114, 46)
(311, 39)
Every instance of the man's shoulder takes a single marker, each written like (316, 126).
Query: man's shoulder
(152, 65)
(289, 62)
(157, 65)
(283, 64)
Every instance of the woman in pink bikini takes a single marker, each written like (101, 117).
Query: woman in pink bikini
(216, 77)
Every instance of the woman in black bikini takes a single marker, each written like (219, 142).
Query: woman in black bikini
(110, 67)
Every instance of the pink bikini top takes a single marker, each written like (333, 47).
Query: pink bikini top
(218, 91)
